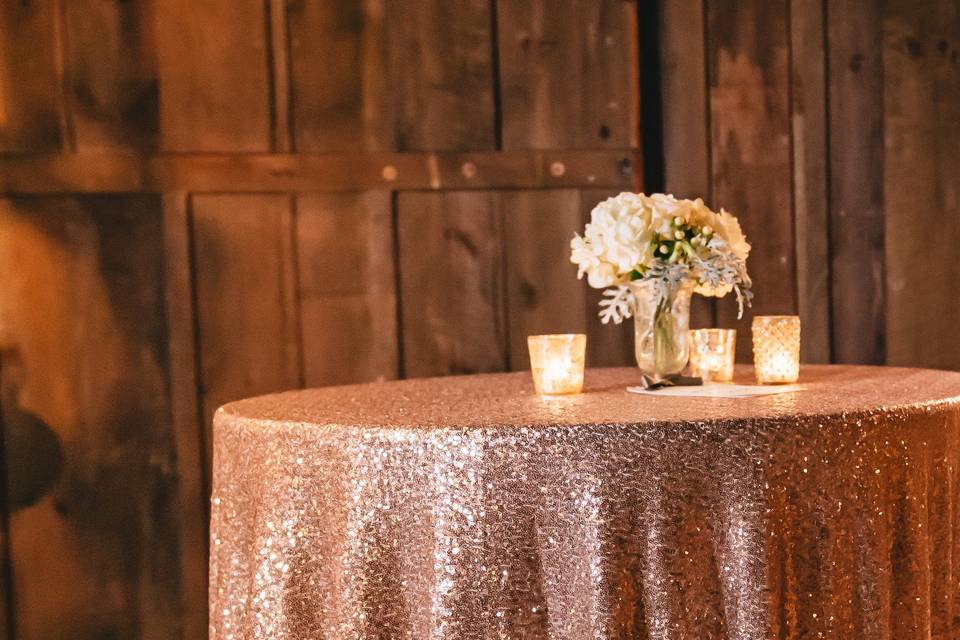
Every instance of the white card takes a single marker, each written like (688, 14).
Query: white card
(719, 390)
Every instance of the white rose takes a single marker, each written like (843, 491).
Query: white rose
(624, 257)
(728, 228)
(664, 209)
(701, 215)
(618, 234)
(603, 275)
(583, 254)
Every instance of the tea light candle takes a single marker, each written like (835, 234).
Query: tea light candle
(776, 349)
(712, 354)
(556, 362)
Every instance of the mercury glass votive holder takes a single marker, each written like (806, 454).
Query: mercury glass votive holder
(557, 361)
(776, 349)
(712, 353)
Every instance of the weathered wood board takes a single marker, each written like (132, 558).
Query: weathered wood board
(568, 74)
(347, 287)
(246, 306)
(214, 83)
(856, 152)
(92, 475)
(921, 107)
(110, 75)
(750, 146)
(451, 283)
(30, 79)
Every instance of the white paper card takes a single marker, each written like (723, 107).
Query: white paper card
(718, 390)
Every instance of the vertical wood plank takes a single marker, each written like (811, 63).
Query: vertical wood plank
(809, 131)
(921, 186)
(686, 138)
(856, 180)
(111, 75)
(214, 82)
(192, 483)
(451, 283)
(29, 77)
(543, 294)
(89, 448)
(686, 134)
(569, 79)
(242, 253)
(347, 287)
(280, 88)
(7, 605)
(750, 146)
(440, 74)
(339, 63)
(568, 73)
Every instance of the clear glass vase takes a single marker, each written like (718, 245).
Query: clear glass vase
(660, 329)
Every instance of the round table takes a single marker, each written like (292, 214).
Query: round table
(469, 507)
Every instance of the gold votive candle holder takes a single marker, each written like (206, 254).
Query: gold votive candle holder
(557, 362)
(776, 349)
(712, 353)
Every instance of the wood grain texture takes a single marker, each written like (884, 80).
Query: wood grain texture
(257, 173)
(7, 604)
(686, 139)
(193, 486)
(93, 489)
(568, 74)
(451, 283)
(280, 77)
(246, 311)
(347, 288)
(111, 75)
(811, 214)
(214, 82)
(750, 145)
(856, 180)
(29, 77)
(440, 74)
(921, 187)
(686, 117)
(543, 294)
(339, 63)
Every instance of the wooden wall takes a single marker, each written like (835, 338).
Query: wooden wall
(830, 128)
(207, 199)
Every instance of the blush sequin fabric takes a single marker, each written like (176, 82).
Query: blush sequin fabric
(469, 507)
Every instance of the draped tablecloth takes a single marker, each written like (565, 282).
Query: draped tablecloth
(469, 507)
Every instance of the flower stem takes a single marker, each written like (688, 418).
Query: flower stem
(664, 346)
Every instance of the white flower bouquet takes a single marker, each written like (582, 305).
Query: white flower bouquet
(655, 247)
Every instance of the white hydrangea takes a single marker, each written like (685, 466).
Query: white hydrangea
(633, 236)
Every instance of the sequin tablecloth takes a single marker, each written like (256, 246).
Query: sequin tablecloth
(470, 508)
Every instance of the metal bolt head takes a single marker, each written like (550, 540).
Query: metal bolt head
(468, 169)
(390, 173)
(557, 169)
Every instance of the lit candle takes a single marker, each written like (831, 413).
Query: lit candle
(557, 361)
(712, 354)
(776, 349)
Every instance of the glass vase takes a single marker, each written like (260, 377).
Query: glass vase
(660, 329)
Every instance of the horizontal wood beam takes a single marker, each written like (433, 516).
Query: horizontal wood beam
(132, 173)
